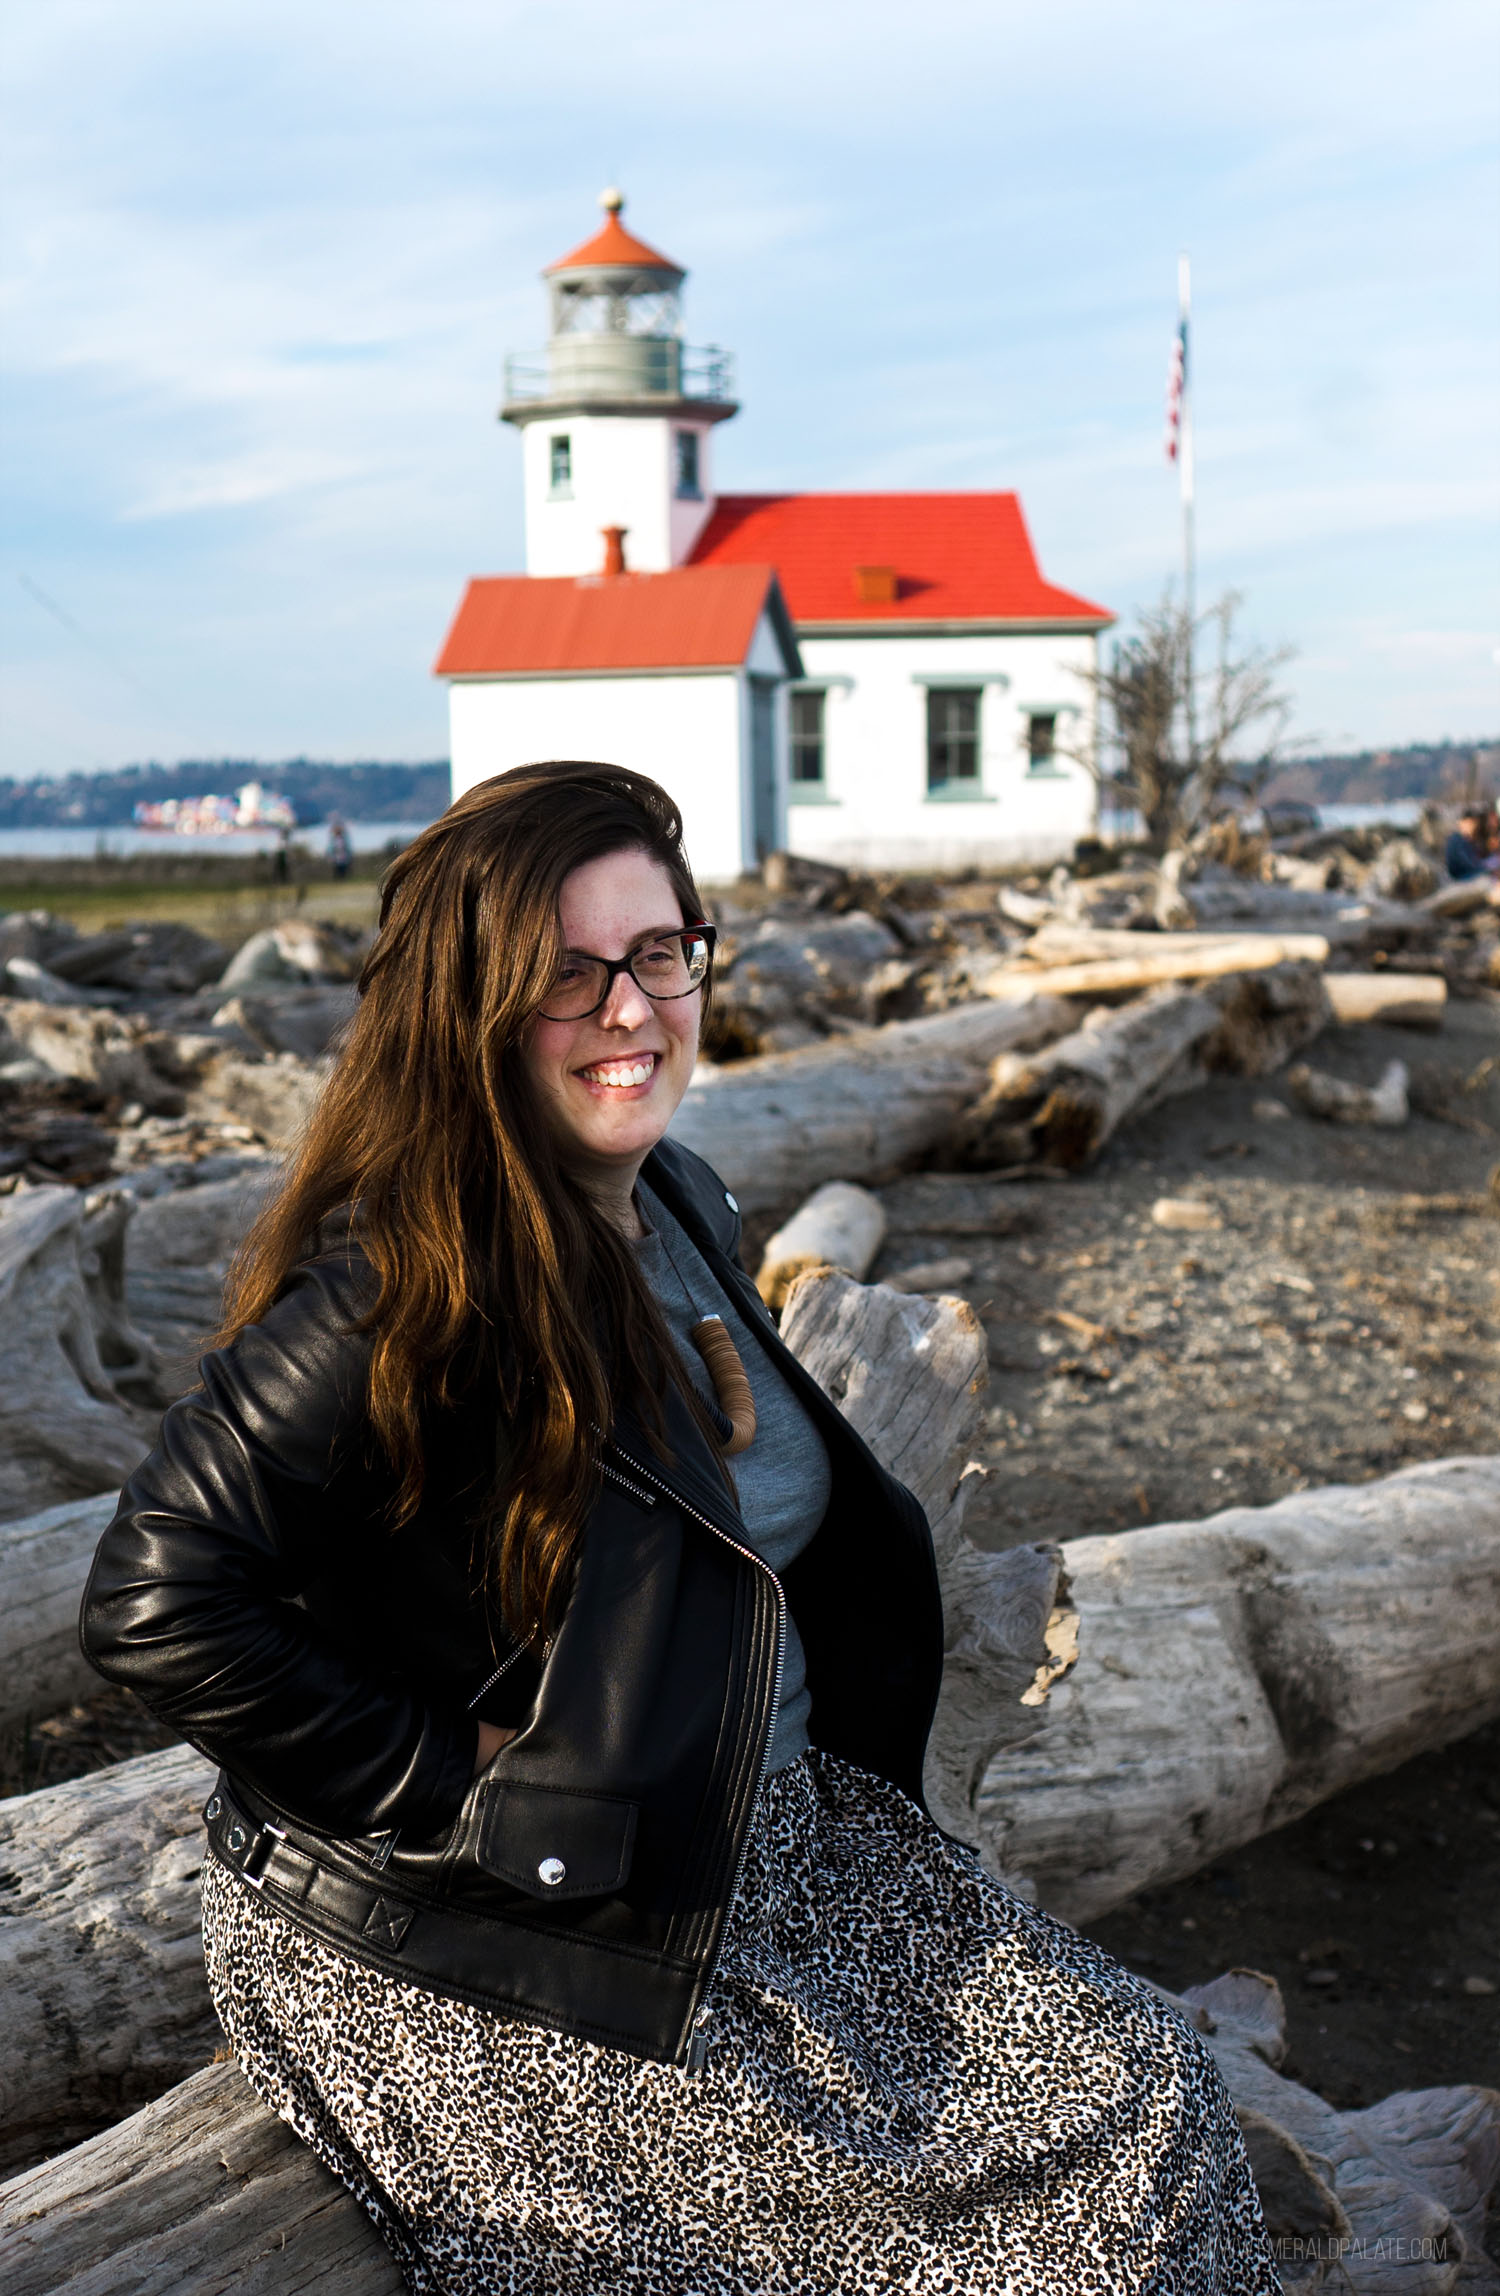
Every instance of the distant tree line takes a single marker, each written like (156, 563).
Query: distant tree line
(371, 792)
(1446, 772)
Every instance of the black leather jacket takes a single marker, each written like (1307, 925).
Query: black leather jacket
(249, 1592)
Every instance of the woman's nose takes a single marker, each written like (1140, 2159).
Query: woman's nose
(627, 1005)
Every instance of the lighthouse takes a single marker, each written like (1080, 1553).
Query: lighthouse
(887, 681)
(617, 414)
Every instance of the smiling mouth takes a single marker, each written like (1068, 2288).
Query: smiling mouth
(620, 1075)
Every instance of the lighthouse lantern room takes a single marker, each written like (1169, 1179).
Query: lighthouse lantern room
(617, 415)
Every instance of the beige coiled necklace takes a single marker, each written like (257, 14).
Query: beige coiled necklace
(721, 1359)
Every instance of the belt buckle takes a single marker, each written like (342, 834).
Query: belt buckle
(260, 1853)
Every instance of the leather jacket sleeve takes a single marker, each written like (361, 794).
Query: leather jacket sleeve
(259, 1478)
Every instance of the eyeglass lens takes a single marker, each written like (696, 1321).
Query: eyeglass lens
(664, 969)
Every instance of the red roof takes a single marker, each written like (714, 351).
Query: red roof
(695, 618)
(612, 243)
(955, 557)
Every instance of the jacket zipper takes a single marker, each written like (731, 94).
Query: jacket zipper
(695, 2033)
(503, 1668)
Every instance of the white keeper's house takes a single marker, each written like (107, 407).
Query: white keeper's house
(885, 680)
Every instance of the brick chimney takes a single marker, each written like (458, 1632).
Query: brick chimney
(614, 548)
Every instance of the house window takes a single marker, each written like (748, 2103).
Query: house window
(689, 485)
(807, 737)
(1041, 741)
(952, 737)
(560, 463)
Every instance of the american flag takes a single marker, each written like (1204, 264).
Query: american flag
(1176, 379)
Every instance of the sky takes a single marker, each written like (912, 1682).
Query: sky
(261, 265)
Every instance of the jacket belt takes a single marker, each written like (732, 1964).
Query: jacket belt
(261, 1853)
(615, 1995)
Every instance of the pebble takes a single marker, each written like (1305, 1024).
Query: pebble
(1478, 1985)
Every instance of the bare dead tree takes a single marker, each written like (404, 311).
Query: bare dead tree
(1177, 779)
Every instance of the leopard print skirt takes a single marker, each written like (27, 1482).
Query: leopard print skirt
(916, 2082)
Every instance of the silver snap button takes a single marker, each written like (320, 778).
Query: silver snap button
(729, 1200)
(235, 1839)
(552, 1871)
(214, 1807)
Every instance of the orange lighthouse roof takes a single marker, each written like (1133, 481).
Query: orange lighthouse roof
(614, 246)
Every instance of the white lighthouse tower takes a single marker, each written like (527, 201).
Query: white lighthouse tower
(617, 417)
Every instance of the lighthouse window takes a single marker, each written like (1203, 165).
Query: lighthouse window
(807, 736)
(952, 736)
(560, 463)
(689, 485)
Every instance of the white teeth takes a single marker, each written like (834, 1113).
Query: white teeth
(638, 1073)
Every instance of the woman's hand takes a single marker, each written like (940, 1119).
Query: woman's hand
(491, 1739)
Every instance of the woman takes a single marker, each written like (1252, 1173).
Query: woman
(570, 1663)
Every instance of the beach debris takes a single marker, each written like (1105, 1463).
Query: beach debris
(1339, 1102)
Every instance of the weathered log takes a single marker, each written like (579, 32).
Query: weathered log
(44, 1560)
(1061, 1106)
(856, 1106)
(1056, 943)
(202, 2193)
(65, 1430)
(100, 1963)
(932, 1276)
(1118, 975)
(200, 1227)
(106, 1049)
(1232, 1673)
(1340, 1102)
(1463, 899)
(909, 1373)
(1410, 1000)
(840, 1226)
(1264, 1017)
(1390, 2201)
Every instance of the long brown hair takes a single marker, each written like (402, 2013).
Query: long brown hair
(427, 1136)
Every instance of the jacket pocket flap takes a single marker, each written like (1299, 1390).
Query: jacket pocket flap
(554, 1844)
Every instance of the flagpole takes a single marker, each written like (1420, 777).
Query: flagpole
(1185, 475)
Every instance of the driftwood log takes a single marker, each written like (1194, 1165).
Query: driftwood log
(1414, 1000)
(105, 1998)
(203, 2193)
(1388, 2201)
(853, 1107)
(66, 1426)
(1059, 1106)
(44, 1560)
(1232, 1673)
(1149, 966)
(840, 1226)
(1340, 1102)
(1056, 943)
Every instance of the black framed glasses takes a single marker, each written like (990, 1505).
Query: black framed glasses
(674, 966)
